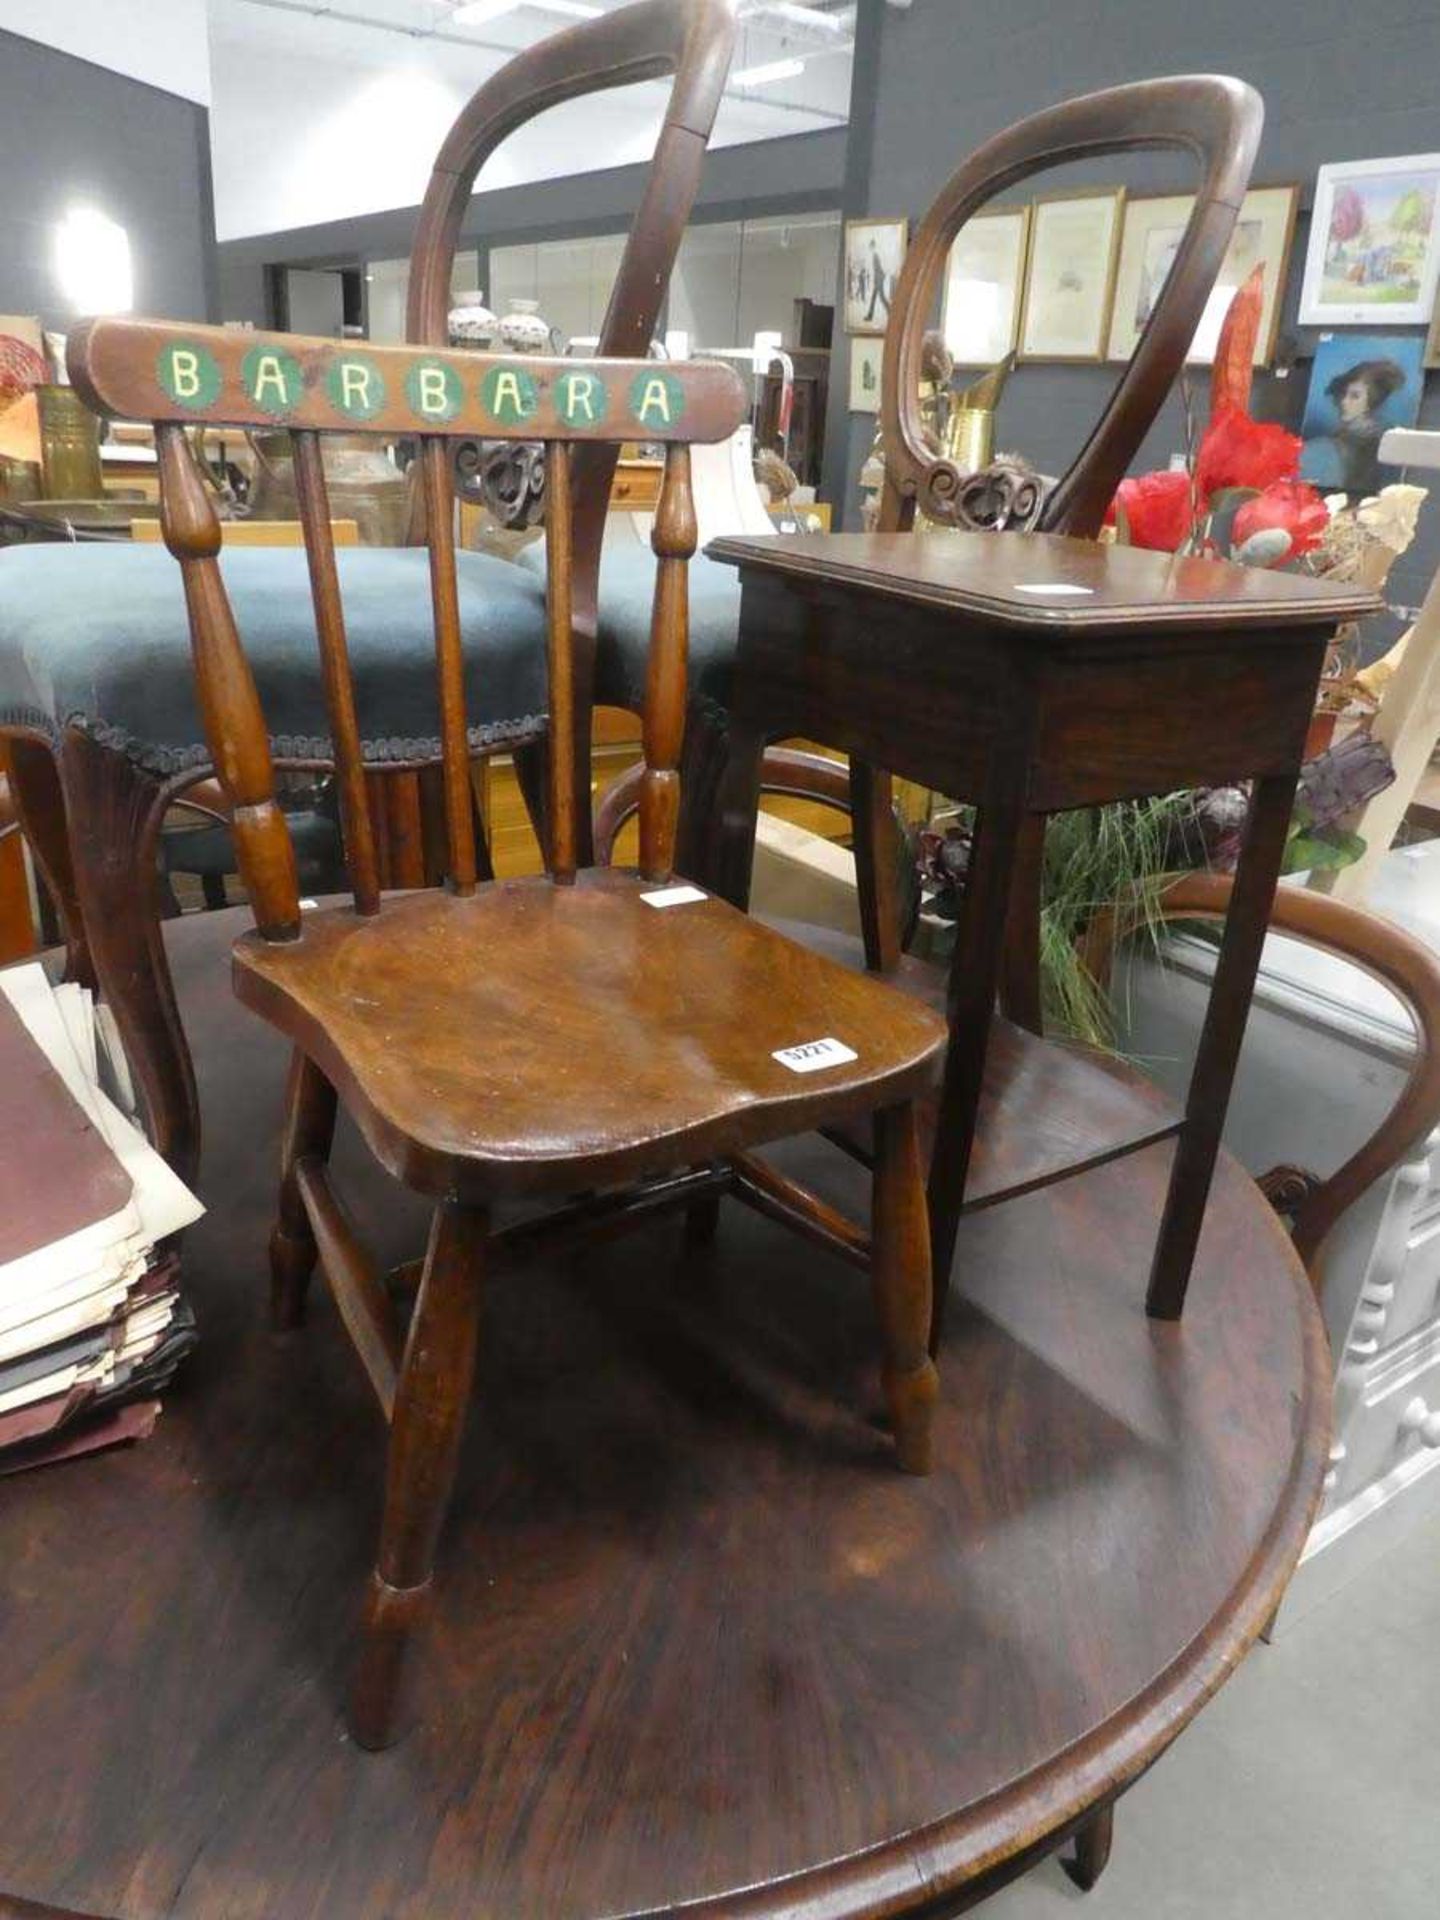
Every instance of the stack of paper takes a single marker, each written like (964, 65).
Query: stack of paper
(92, 1324)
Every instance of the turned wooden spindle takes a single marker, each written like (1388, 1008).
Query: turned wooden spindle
(674, 540)
(355, 825)
(229, 705)
(439, 485)
(559, 603)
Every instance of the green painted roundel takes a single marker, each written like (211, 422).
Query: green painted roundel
(356, 387)
(189, 374)
(581, 398)
(272, 379)
(657, 398)
(434, 392)
(510, 395)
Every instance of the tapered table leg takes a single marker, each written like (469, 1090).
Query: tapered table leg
(1219, 1051)
(974, 980)
(730, 856)
(1092, 1849)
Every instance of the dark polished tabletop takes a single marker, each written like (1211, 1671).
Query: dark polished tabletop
(695, 1641)
(1048, 584)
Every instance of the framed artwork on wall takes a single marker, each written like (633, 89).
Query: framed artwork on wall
(1360, 384)
(866, 358)
(1153, 229)
(874, 255)
(1374, 253)
(1074, 243)
(984, 284)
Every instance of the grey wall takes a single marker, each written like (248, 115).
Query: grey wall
(74, 132)
(947, 75)
(790, 175)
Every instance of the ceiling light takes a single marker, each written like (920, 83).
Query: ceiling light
(475, 13)
(572, 9)
(764, 75)
(92, 263)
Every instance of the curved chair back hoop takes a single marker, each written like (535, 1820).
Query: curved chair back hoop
(174, 375)
(1378, 948)
(691, 39)
(1216, 119)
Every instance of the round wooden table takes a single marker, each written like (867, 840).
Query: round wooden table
(697, 1643)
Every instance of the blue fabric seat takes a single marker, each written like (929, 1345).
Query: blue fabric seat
(96, 636)
(627, 587)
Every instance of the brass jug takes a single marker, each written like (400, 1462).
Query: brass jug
(360, 478)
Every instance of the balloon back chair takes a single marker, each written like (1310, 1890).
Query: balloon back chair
(1216, 122)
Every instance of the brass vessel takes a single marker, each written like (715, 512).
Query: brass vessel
(69, 446)
(362, 482)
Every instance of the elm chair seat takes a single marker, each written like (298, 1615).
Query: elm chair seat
(96, 637)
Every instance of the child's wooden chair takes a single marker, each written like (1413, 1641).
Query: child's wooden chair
(557, 1035)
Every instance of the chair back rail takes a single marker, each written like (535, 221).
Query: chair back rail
(694, 41)
(1216, 119)
(177, 376)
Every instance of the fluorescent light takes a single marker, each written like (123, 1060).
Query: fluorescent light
(92, 263)
(763, 76)
(572, 9)
(801, 16)
(475, 13)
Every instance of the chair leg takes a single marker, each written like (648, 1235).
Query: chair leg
(1092, 1849)
(431, 1399)
(900, 1275)
(308, 1131)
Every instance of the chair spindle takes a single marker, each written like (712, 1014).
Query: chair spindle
(313, 498)
(674, 539)
(435, 456)
(559, 604)
(229, 704)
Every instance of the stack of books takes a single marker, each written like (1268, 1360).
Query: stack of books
(92, 1323)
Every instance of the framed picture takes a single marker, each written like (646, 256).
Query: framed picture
(1154, 228)
(1361, 384)
(1432, 344)
(1374, 253)
(874, 255)
(984, 281)
(1074, 242)
(866, 359)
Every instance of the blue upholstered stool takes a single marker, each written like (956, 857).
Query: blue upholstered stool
(95, 638)
(97, 697)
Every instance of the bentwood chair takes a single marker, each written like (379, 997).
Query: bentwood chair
(558, 1035)
(95, 683)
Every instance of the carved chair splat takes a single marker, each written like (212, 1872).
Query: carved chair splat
(607, 1039)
